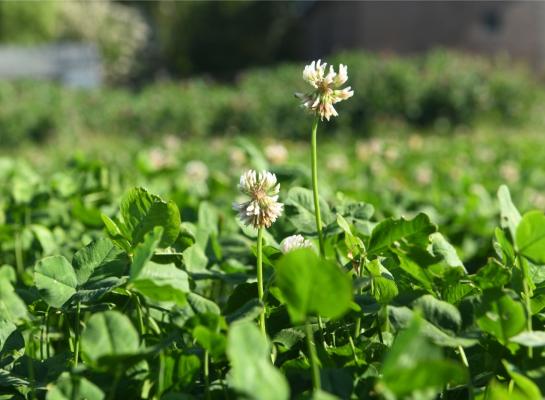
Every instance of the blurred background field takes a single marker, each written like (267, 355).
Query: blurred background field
(190, 94)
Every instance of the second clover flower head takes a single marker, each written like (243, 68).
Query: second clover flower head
(327, 89)
(263, 207)
(294, 242)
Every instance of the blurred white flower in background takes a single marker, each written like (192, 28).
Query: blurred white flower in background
(172, 143)
(294, 242)
(263, 208)
(326, 87)
(337, 163)
(196, 171)
(237, 157)
(276, 153)
(423, 175)
(159, 159)
(509, 171)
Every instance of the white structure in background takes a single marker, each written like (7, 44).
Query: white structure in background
(72, 64)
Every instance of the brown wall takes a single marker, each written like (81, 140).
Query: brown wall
(516, 28)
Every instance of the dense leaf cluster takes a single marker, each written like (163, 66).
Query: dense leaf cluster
(441, 90)
(138, 296)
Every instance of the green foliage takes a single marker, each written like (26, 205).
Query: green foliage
(415, 366)
(108, 334)
(440, 90)
(312, 286)
(251, 371)
(27, 23)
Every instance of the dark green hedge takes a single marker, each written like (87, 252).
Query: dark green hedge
(440, 89)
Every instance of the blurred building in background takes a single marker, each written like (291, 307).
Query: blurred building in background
(513, 28)
(139, 42)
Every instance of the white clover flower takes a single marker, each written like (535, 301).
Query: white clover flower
(327, 89)
(263, 208)
(196, 170)
(294, 242)
(276, 153)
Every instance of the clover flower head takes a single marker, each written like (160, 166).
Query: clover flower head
(327, 89)
(196, 170)
(263, 207)
(294, 242)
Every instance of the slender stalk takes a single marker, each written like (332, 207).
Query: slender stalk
(260, 279)
(314, 168)
(115, 383)
(463, 357)
(138, 306)
(357, 328)
(76, 334)
(206, 376)
(527, 302)
(19, 254)
(47, 352)
(316, 197)
(313, 357)
(353, 348)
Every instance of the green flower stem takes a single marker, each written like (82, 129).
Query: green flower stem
(313, 357)
(19, 262)
(140, 318)
(527, 302)
(47, 313)
(206, 375)
(314, 166)
(463, 357)
(260, 279)
(115, 383)
(76, 333)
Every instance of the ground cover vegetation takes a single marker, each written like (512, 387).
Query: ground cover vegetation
(440, 91)
(388, 268)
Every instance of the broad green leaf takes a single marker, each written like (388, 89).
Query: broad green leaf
(252, 373)
(6, 329)
(115, 234)
(501, 316)
(439, 313)
(439, 246)
(524, 384)
(299, 206)
(383, 286)
(504, 248)
(530, 236)
(12, 308)
(162, 282)
(56, 280)
(389, 231)
(143, 252)
(401, 317)
(142, 211)
(530, 339)
(211, 341)
(108, 333)
(413, 268)
(414, 364)
(343, 223)
(98, 254)
(289, 337)
(497, 391)
(492, 275)
(510, 216)
(202, 305)
(69, 387)
(310, 285)
(45, 238)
